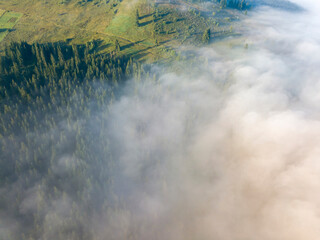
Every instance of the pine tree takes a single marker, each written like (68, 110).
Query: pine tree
(117, 46)
(137, 18)
(206, 36)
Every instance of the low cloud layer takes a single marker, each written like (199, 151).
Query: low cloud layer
(232, 153)
(227, 150)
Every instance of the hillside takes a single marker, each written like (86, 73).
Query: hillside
(66, 69)
(162, 26)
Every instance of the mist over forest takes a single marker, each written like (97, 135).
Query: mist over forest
(218, 137)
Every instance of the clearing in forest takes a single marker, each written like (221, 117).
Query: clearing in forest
(134, 38)
(8, 20)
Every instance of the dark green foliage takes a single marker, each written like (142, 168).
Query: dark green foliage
(236, 4)
(53, 150)
(26, 70)
(186, 26)
(117, 46)
(137, 18)
(206, 36)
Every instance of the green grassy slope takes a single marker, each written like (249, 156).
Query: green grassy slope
(8, 20)
(162, 26)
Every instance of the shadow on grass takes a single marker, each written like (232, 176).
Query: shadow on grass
(217, 37)
(145, 16)
(164, 42)
(131, 45)
(141, 53)
(103, 47)
(145, 23)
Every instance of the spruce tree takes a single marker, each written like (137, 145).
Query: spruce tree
(117, 46)
(137, 18)
(206, 36)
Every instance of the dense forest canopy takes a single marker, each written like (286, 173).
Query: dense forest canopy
(58, 162)
(138, 119)
(51, 95)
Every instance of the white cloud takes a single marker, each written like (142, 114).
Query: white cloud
(210, 162)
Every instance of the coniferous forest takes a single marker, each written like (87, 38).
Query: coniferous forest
(159, 119)
(51, 96)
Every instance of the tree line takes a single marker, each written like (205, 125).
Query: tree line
(54, 101)
(236, 4)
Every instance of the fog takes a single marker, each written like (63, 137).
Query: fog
(226, 149)
(232, 150)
